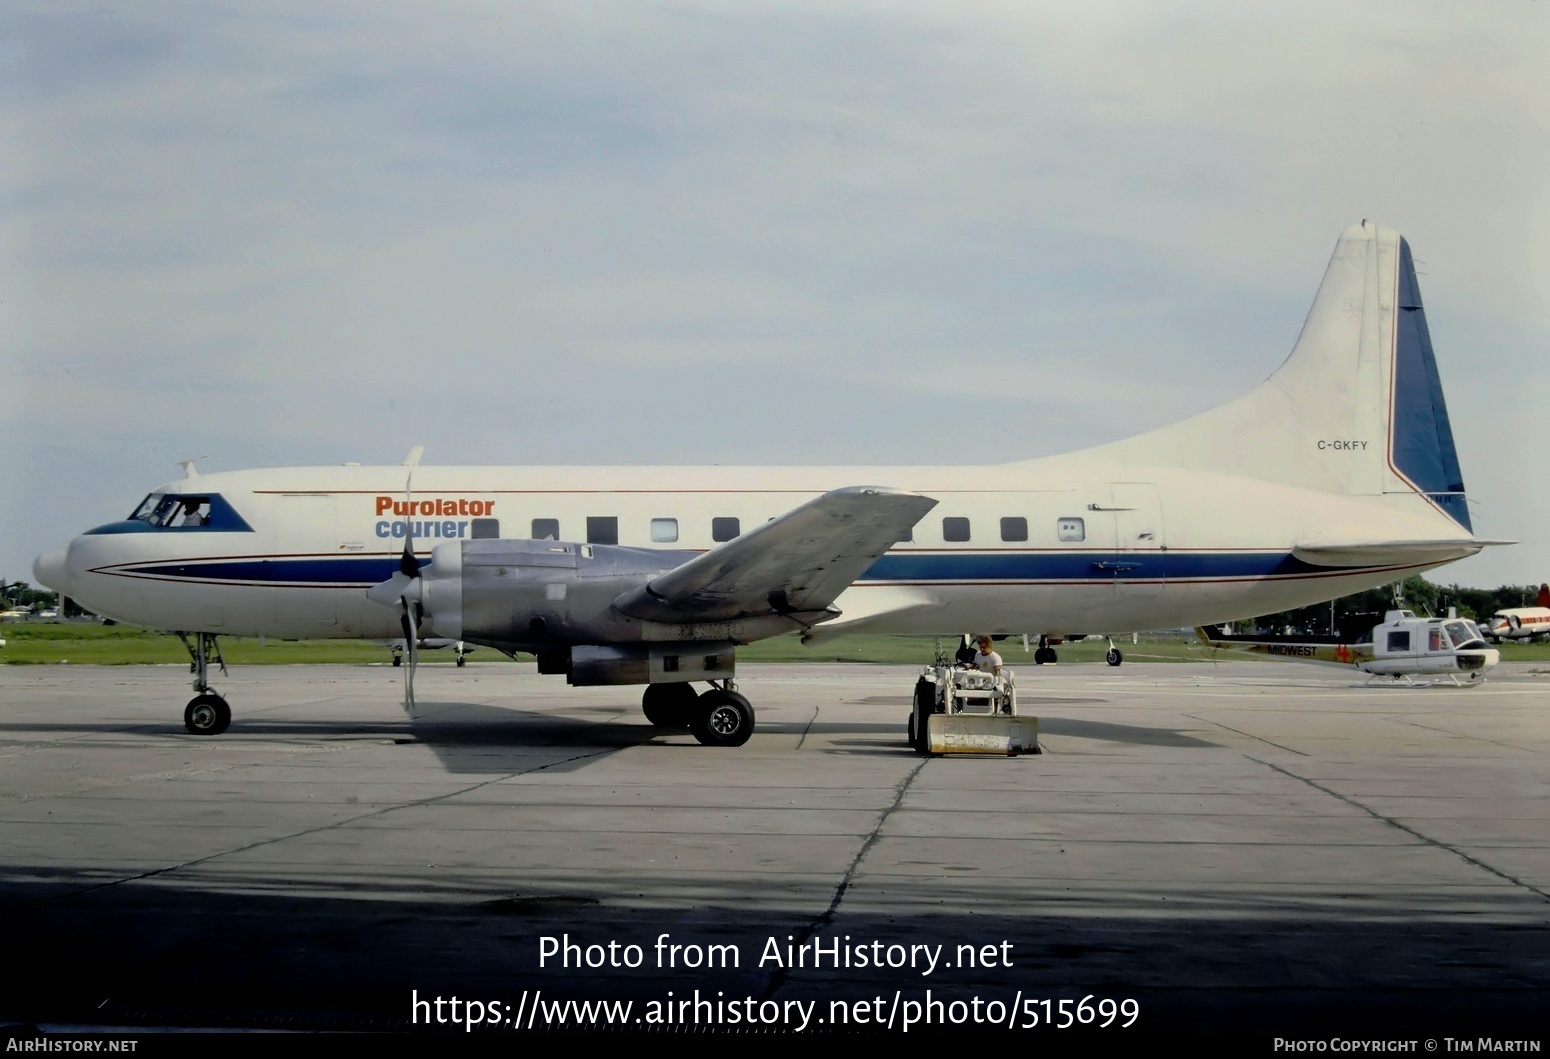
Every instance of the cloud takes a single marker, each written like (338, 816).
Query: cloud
(317, 232)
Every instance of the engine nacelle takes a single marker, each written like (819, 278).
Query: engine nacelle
(556, 600)
(535, 593)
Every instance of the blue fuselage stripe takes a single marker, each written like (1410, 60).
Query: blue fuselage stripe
(919, 567)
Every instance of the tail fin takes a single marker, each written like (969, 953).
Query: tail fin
(1544, 596)
(1356, 409)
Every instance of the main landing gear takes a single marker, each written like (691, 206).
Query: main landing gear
(1044, 654)
(719, 717)
(207, 713)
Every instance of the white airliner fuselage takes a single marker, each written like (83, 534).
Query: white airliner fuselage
(1338, 473)
(1139, 552)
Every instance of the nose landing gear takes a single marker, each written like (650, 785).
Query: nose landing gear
(207, 713)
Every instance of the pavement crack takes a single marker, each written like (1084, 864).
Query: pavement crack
(1462, 735)
(801, 937)
(808, 728)
(1407, 829)
(1246, 735)
(383, 811)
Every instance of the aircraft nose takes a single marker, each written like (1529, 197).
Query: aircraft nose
(49, 571)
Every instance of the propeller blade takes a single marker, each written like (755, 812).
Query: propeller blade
(412, 649)
(408, 565)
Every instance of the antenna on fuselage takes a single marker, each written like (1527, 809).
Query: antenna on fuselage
(413, 459)
(189, 471)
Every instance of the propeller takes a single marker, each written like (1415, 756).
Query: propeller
(403, 590)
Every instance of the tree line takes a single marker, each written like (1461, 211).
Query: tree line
(1360, 611)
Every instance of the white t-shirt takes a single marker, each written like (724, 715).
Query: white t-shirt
(988, 662)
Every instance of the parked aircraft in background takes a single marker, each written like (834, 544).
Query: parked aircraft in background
(399, 648)
(1337, 474)
(1522, 623)
(1403, 647)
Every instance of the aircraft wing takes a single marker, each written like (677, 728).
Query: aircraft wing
(1389, 553)
(796, 564)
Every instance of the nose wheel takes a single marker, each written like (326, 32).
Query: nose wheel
(207, 714)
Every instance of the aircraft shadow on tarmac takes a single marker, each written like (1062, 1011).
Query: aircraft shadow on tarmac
(1109, 732)
(478, 737)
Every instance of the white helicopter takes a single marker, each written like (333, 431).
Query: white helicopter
(1403, 647)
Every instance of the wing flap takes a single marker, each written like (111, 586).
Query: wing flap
(796, 564)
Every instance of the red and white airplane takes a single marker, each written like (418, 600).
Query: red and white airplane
(1522, 623)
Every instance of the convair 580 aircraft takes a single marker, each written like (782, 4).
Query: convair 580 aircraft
(1337, 474)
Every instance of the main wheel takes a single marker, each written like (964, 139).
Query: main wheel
(920, 716)
(669, 705)
(207, 714)
(1114, 657)
(722, 718)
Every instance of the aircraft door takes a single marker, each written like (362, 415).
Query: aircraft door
(305, 531)
(1140, 543)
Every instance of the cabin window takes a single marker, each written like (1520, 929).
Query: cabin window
(955, 530)
(483, 529)
(1435, 640)
(546, 529)
(1014, 529)
(602, 529)
(724, 529)
(664, 530)
(1399, 641)
(1071, 529)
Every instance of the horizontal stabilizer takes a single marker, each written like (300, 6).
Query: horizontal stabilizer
(796, 564)
(1389, 553)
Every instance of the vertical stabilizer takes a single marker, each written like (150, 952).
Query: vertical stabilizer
(1356, 409)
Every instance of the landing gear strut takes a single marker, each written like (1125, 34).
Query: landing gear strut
(1045, 654)
(1114, 656)
(207, 713)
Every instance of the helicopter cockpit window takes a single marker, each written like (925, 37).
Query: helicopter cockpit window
(1465, 635)
(1436, 639)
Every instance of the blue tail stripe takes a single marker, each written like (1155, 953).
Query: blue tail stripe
(1423, 438)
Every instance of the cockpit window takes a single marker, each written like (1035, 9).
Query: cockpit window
(175, 510)
(188, 511)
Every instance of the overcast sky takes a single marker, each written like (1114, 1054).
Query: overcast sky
(522, 232)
